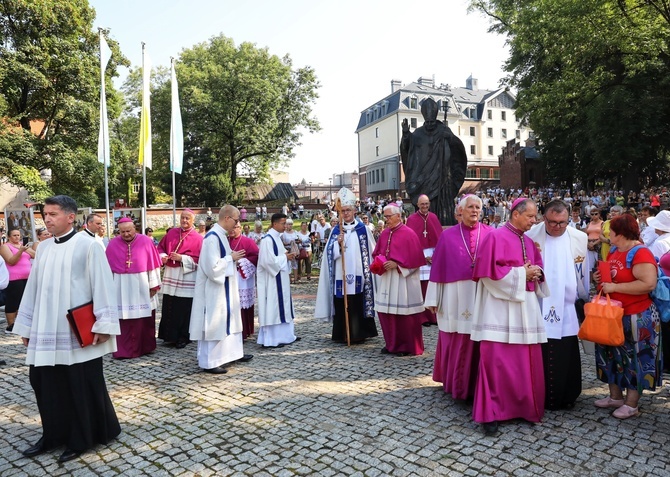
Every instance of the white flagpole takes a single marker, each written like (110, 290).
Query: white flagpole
(103, 139)
(144, 160)
(176, 139)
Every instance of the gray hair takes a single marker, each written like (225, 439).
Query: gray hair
(91, 217)
(464, 201)
(393, 208)
(258, 223)
(617, 208)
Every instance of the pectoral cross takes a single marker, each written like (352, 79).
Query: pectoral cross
(128, 262)
(425, 233)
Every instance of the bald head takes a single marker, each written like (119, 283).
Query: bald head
(229, 216)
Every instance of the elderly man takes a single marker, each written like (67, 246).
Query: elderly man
(566, 271)
(348, 250)
(275, 306)
(70, 270)
(398, 300)
(427, 227)
(451, 294)
(216, 321)
(179, 251)
(507, 321)
(136, 266)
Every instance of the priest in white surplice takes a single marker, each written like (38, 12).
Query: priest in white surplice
(275, 306)
(216, 319)
(70, 270)
(566, 270)
(136, 266)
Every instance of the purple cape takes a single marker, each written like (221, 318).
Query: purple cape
(433, 227)
(246, 244)
(404, 248)
(451, 262)
(190, 245)
(501, 251)
(143, 255)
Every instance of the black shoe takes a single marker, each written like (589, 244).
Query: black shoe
(37, 449)
(490, 428)
(385, 351)
(246, 357)
(68, 454)
(181, 344)
(9, 328)
(426, 324)
(217, 370)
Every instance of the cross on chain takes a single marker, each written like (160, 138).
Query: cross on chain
(129, 262)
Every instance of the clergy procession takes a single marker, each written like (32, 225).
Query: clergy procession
(504, 302)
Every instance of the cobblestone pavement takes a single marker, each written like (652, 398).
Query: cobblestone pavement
(319, 408)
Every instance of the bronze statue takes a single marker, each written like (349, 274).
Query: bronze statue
(434, 162)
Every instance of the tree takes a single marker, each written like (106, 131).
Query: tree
(590, 76)
(49, 86)
(244, 111)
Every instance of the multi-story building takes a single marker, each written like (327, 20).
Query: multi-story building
(483, 119)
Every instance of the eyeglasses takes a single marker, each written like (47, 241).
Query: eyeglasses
(237, 221)
(595, 213)
(389, 216)
(552, 223)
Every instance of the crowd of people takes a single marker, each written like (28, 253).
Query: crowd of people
(510, 288)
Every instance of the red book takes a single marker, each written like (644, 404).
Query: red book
(605, 272)
(82, 319)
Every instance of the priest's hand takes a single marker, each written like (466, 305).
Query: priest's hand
(153, 292)
(164, 259)
(533, 272)
(432, 309)
(290, 256)
(237, 254)
(390, 264)
(25, 341)
(429, 260)
(98, 338)
(174, 256)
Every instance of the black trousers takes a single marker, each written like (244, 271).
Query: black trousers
(360, 327)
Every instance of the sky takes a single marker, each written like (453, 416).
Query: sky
(356, 48)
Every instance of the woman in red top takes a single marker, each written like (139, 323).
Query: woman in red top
(635, 365)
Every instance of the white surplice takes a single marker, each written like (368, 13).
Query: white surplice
(274, 292)
(216, 320)
(64, 276)
(455, 304)
(506, 313)
(132, 293)
(399, 293)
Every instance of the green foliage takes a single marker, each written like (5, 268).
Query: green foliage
(243, 111)
(49, 80)
(591, 78)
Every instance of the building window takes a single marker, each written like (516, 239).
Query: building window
(412, 122)
(473, 149)
(382, 175)
(490, 150)
(484, 173)
(377, 150)
(377, 176)
(473, 113)
(472, 130)
(518, 134)
(489, 114)
(489, 132)
(496, 173)
(413, 103)
(470, 174)
(503, 115)
(376, 132)
(136, 187)
(503, 133)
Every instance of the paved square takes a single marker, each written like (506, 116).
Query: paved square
(320, 408)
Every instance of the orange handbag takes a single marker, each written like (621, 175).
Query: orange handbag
(603, 323)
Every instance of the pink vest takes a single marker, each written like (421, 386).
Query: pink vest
(21, 269)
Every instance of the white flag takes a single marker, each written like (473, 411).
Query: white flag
(103, 136)
(145, 117)
(176, 129)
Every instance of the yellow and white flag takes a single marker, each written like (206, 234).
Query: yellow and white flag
(145, 116)
(103, 136)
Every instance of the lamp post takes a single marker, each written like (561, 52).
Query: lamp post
(330, 191)
(310, 192)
